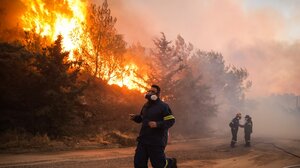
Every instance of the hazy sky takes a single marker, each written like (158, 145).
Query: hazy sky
(262, 36)
(289, 9)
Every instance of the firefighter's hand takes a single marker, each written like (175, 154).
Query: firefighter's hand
(132, 116)
(152, 124)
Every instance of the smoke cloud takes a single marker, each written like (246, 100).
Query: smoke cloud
(254, 38)
(10, 12)
(264, 40)
(275, 116)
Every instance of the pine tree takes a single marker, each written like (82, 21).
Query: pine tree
(15, 85)
(228, 83)
(187, 94)
(39, 90)
(59, 88)
(108, 45)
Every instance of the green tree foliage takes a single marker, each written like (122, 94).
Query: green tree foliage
(16, 84)
(108, 108)
(197, 84)
(188, 95)
(228, 83)
(40, 89)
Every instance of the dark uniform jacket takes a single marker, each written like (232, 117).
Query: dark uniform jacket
(159, 112)
(248, 126)
(235, 123)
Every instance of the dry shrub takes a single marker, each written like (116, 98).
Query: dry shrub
(15, 139)
(117, 137)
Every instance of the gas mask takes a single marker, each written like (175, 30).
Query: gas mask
(151, 96)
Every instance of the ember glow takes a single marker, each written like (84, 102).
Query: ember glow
(68, 18)
(128, 73)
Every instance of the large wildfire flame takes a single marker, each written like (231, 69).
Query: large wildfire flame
(68, 18)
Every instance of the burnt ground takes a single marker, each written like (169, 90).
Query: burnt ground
(205, 152)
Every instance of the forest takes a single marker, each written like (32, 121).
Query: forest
(50, 94)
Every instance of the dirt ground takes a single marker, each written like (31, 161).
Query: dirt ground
(209, 152)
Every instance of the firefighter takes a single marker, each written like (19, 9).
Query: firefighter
(234, 125)
(248, 130)
(156, 118)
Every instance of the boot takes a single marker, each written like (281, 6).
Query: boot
(174, 163)
(232, 144)
(247, 144)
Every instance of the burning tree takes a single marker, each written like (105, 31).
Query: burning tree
(88, 34)
(50, 70)
(109, 46)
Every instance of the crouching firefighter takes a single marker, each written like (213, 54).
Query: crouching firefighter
(248, 130)
(234, 125)
(156, 118)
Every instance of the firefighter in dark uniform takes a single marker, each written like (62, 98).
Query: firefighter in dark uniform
(248, 130)
(156, 118)
(234, 125)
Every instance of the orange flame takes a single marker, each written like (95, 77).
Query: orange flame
(128, 78)
(68, 18)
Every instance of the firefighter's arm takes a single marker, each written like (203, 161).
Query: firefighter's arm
(168, 119)
(137, 118)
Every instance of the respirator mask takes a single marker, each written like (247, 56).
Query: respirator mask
(151, 96)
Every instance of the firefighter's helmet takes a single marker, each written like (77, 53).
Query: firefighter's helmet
(247, 116)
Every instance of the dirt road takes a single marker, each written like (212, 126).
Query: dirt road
(210, 153)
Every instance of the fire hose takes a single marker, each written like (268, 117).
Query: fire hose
(286, 151)
(292, 166)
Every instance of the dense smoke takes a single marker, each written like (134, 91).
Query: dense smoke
(262, 40)
(254, 38)
(275, 116)
(248, 38)
(273, 66)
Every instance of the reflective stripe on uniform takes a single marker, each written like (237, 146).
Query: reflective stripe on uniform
(169, 117)
(166, 163)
